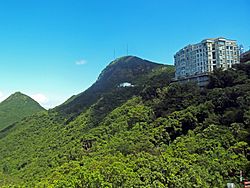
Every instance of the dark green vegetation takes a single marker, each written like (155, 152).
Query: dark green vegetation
(155, 134)
(15, 108)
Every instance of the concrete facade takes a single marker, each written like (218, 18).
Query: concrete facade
(202, 58)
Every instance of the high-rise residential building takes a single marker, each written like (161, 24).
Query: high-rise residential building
(202, 58)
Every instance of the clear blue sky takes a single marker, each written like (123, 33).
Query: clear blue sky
(42, 42)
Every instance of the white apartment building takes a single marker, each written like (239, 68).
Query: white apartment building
(204, 57)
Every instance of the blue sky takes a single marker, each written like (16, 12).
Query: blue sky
(52, 49)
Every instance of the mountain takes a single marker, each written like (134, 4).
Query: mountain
(16, 107)
(129, 69)
(143, 132)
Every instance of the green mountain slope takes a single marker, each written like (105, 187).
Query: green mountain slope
(16, 107)
(165, 135)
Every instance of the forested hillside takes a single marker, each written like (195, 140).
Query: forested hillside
(154, 134)
(16, 107)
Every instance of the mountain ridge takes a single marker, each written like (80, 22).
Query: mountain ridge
(123, 69)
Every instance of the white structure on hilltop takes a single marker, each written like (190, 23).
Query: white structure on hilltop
(126, 84)
(202, 58)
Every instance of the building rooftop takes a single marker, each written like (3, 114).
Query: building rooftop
(218, 38)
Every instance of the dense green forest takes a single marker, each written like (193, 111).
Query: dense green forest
(154, 134)
(16, 107)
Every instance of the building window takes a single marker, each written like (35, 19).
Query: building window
(213, 55)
